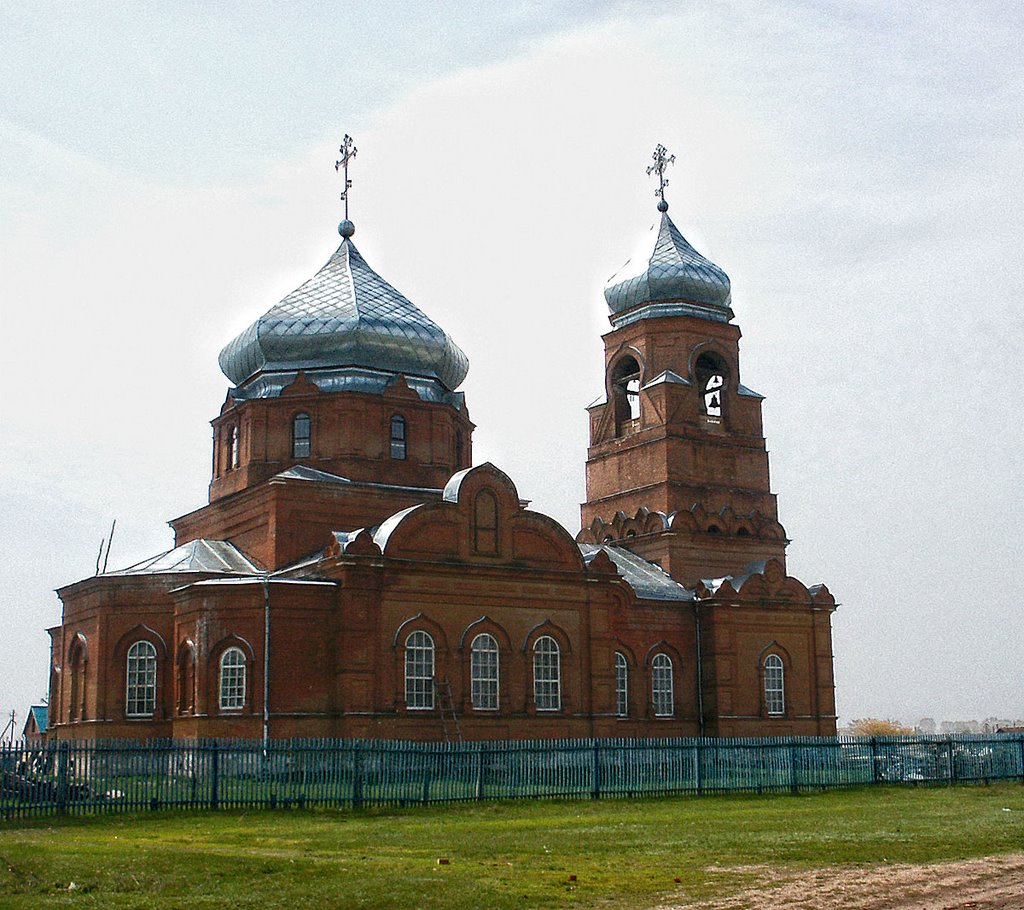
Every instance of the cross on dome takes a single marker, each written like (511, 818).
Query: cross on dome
(348, 151)
(662, 159)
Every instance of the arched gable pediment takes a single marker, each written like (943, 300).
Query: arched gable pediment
(479, 519)
(421, 622)
(488, 625)
(141, 632)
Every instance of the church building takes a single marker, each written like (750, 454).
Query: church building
(354, 574)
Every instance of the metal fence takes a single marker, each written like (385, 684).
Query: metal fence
(82, 777)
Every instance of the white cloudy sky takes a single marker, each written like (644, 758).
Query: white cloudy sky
(167, 175)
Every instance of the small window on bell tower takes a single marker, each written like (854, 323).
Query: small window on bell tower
(712, 381)
(626, 395)
(301, 435)
(398, 442)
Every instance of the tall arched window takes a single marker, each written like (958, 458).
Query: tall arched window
(485, 523)
(140, 695)
(234, 451)
(774, 685)
(398, 440)
(232, 680)
(419, 672)
(621, 685)
(483, 662)
(76, 666)
(547, 674)
(712, 377)
(301, 433)
(186, 679)
(662, 695)
(625, 394)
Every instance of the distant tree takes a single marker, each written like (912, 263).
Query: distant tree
(874, 726)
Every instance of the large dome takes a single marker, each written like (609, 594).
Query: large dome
(346, 315)
(673, 280)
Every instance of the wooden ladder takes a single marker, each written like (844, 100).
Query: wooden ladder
(446, 705)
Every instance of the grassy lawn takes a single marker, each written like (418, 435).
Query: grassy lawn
(513, 854)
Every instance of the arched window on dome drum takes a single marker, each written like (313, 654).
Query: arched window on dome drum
(232, 680)
(662, 694)
(419, 672)
(484, 672)
(621, 685)
(234, 449)
(625, 391)
(774, 685)
(485, 523)
(547, 674)
(398, 441)
(301, 435)
(712, 379)
(140, 694)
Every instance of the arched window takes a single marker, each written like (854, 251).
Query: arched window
(419, 672)
(485, 523)
(232, 680)
(712, 378)
(774, 685)
(398, 442)
(483, 662)
(186, 679)
(625, 394)
(547, 674)
(301, 432)
(234, 453)
(140, 695)
(621, 685)
(76, 666)
(662, 695)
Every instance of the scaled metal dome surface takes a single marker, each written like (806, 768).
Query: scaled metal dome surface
(345, 316)
(674, 280)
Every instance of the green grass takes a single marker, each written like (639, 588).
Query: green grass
(513, 854)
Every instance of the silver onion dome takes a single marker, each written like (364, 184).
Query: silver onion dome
(345, 316)
(674, 280)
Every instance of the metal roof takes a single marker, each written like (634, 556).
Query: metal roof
(346, 315)
(648, 580)
(674, 280)
(196, 556)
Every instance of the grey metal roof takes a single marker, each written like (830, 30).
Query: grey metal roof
(302, 472)
(674, 280)
(346, 315)
(648, 581)
(196, 556)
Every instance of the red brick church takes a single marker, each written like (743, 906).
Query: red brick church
(355, 575)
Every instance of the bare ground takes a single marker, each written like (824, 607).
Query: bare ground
(992, 883)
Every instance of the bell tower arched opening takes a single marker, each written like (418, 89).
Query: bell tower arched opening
(625, 394)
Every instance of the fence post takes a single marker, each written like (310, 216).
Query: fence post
(62, 777)
(952, 760)
(1020, 742)
(215, 774)
(595, 770)
(698, 752)
(357, 775)
(794, 783)
(874, 760)
(425, 758)
(481, 750)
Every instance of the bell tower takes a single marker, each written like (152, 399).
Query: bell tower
(677, 468)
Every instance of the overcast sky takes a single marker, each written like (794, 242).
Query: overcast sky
(167, 175)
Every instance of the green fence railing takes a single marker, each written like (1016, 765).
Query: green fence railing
(121, 775)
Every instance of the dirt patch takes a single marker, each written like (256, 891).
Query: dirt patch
(992, 883)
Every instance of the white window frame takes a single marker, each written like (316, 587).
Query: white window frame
(484, 672)
(621, 685)
(774, 685)
(663, 698)
(140, 680)
(419, 671)
(547, 674)
(232, 679)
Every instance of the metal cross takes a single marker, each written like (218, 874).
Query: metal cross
(662, 159)
(347, 152)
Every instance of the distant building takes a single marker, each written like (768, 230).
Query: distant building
(35, 724)
(354, 575)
